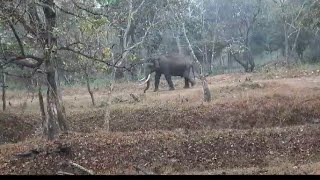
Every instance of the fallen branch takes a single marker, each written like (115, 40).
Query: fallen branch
(64, 173)
(138, 169)
(28, 153)
(135, 97)
(90, 172)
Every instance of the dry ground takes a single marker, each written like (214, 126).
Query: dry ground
(269, 125)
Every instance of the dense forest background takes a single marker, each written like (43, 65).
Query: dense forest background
(60, 43)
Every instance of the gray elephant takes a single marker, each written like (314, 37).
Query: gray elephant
(169, 65)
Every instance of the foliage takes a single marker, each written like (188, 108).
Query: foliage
(214, 27)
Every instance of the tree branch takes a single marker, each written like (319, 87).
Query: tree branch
(18, 61)
(17, 38)
(64, 173)
(88, 10)
(129, 22)
(135, 11)
(45, 6)
(145, 34)
(93, 58)
(238, 60)
(68, 12)
(90, 172)
(25, 25)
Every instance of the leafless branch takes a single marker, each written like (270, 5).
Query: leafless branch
(19, 76)
(88, 10)
(129, 24)
(75, 43)
(152, 24)
(64, 173)
(68, 12)
(90, 172)
(138, 8)
(143, 170)
(134, 97)
(19, 60)
(17, 38)
(293, 32)
(301, 8)
(45, 6)
(27, 27)
(94, 58)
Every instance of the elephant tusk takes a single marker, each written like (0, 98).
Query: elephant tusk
(142, 79)
(146, 80)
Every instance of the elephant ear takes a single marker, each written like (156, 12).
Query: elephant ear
(156, 63)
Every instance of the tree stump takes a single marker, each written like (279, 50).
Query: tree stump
(205, 87)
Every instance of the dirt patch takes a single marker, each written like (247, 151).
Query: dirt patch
(263, 112)
(250, 127)
(275, 110)
(15, 128)
(164, 152)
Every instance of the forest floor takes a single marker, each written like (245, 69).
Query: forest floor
(267, 125)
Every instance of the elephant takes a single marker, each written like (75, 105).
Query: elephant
(169, 65)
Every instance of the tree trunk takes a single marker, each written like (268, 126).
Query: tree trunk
(109, 98)
(295, 43)
(108, 109)
(179, 44)
(286, 44)
(245, 65)
(250, 59)
(206, 57)
(286, 38)
(56, 116)
(190, 48)
(207, 94)
(178, 41)
(206, 91)
(214, 37)
(212, 55)
(42, 108)
(107, 114)
(4, 86)
(88, 86)
(56, 119)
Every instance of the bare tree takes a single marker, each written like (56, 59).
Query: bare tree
(42, 32)
(292, 25)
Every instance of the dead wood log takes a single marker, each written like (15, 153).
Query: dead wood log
(90, 172)
(139, 169)
(135, 97)
(28, 153)
(64, 173)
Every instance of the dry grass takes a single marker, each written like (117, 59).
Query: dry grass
(262, 126)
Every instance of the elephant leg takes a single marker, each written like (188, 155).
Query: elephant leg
(186, 82)
(193, 82)
(157, 82)
(169, 80)
(188, 79)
